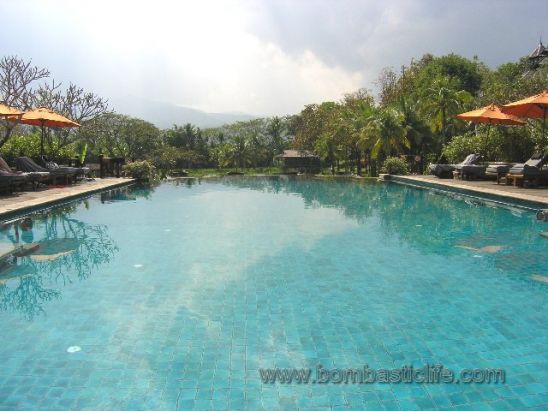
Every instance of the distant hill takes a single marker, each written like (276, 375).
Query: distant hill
(165, 115)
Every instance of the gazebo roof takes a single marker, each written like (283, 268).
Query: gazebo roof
(297, 154)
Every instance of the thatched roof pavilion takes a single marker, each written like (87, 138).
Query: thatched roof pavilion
(299, 159)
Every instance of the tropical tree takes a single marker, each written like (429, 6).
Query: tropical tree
(74, 103)
(275, 132)
(239, 151)
(234, 153)
(359, 110)
(385, 134)
(17, 81)
(222, 154)
(416, 130)
(119, 135)
(441, 102)
(513, 81)
(311, 123)
(325, 147)
(182, 137)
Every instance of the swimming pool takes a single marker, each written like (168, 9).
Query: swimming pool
(175, 297)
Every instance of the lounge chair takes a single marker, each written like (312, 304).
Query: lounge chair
(34, 177)
(469, 169)
(50, 165)
(446, 170)
(27, 165)
(5, 186)
(9, 182)
(532, 171)
(498, 170)
(441, 170)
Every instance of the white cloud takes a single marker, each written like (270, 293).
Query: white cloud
(260, 57)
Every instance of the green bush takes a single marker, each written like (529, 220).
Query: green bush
(460, 146)
(395, 165)
(501, 144)
(429, 158)
(164, 158)
(142, 171)
(29, 146)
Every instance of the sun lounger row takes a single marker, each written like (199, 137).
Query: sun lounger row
(29, 172)
(532, 172)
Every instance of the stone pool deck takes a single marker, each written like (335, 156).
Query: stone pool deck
(42, 197)
(538, 196)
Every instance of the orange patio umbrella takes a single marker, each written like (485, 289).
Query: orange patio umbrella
(530, 107)
(44, 117)
(6, 111)
(491, 114)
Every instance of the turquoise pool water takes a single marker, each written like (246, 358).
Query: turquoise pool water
(175, 297)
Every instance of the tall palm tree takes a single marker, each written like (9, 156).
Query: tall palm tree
(417, 131)
(442, 102)
(358, 118)
(385, 133)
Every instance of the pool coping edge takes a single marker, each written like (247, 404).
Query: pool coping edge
(523, 200)
(46, 203)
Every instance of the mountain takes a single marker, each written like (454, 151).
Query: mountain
(165, 115)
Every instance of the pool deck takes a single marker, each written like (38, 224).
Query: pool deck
(29, 200)
(537, 196)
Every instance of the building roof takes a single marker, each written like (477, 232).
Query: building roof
(297, 154)
(539, 52)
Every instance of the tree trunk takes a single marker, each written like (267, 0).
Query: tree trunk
(443, 127)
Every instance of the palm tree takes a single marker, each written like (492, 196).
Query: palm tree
(256, 147)
(222, 153)
(275, 130)
(442, 102)
(325, 148)
(416, 130)
(385, 133)
(239, 151)
(360, 117)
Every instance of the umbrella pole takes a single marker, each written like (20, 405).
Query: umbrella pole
(42, 141)
(544, 127)
(487, 139)
(43, 137)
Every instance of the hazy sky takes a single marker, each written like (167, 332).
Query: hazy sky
(261, 57)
